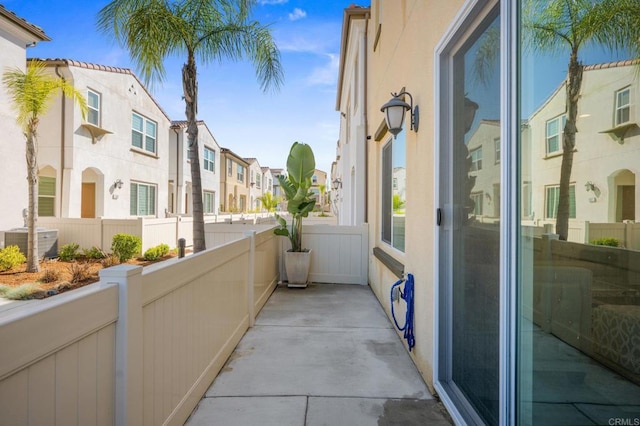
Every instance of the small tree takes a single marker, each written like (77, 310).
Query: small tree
(31, 93)
(269, 202)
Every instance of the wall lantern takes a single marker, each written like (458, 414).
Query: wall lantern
(337, 183)
(394, 112)
(118, 184)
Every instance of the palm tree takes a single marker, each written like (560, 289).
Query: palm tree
(203, 30)
(269, 202)
(556, 25)
(31, 93)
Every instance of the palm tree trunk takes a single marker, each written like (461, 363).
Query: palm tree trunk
(574, 83)
(190, 87)
(33, 261)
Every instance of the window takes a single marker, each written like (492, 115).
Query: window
(622, 106)
(497, 150)
(553, 199)
(393, 192)
(476, 159)
(314, 179)
(554, 133)
(143, 133)
(229, 167)
(477, 203)
(93, 104)
(209, 159)
(143, 200)
(258, 181)
(240, 173)
(46, 196)
(208, 201)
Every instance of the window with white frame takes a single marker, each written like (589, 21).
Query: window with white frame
(229, 167)
(142, 199)
(208, 201)
(93, 107)
(46, 196)
(314, 179)
(209, 159)
(252, 179)
(496, 143)
(554, 130)
(623, 109)
(240, 172)
(476, 159)
(258, 181)
(552, 199)
(143, 133)
(393, 192)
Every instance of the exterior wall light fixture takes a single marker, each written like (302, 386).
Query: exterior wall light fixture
(394, 112)
(337, 183)
(118, 184)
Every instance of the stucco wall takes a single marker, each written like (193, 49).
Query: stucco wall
(404, 57)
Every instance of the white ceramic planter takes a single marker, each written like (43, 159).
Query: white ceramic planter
(297, 265)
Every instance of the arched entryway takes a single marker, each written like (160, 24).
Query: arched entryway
(91, 202)
(622, 187)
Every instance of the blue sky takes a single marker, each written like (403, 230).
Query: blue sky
(242, 117)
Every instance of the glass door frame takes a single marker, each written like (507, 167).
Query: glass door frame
(462, 26)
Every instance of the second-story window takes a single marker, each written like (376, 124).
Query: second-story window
(240, 173)
(554, 130)
(314, 179)
(209, 159)
(143, 133)
(476, 159)
(229, 167)
(258, 180)
(93, 108)
(623, 103)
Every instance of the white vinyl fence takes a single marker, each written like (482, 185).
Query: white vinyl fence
(627, 233)
(141, 346)
(153, 231)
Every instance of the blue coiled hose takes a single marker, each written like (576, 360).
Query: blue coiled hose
(407, 296)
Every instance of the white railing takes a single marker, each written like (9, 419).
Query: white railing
(139, 347)
(627, 233)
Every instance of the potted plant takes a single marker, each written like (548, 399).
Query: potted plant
(300, 201)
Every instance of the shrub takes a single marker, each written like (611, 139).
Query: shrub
(4, 289)
(109, 261)
(11, 257)
(49, 276)
(125, 246)
(611, 242)
(24, 292)
(69, 252)
(93, 253)
(80, 272)
(155, 253)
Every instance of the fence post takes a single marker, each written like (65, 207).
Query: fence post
(587, 225)
(251, 276)
(128, 355)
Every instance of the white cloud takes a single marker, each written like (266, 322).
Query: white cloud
(268, 2)
(297, 14)
(327, 74)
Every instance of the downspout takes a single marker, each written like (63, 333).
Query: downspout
(178, 172)
(366, 120)
(62, 140)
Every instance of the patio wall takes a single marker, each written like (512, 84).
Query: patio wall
(149, 343)
(627, 233)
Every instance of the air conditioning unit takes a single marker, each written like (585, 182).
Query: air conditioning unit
(47, 241)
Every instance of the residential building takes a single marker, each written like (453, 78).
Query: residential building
(267, 181)
(318, 182)
(114, 162)
(180, 189)
(512, 325)
(255, 184)
(16, 35)
(234, 182)
(277, 191)
(350, 102)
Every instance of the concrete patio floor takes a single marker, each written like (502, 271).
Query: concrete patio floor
(325, 355)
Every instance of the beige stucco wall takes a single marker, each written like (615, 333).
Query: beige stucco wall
(12, 141)
(404, 57)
